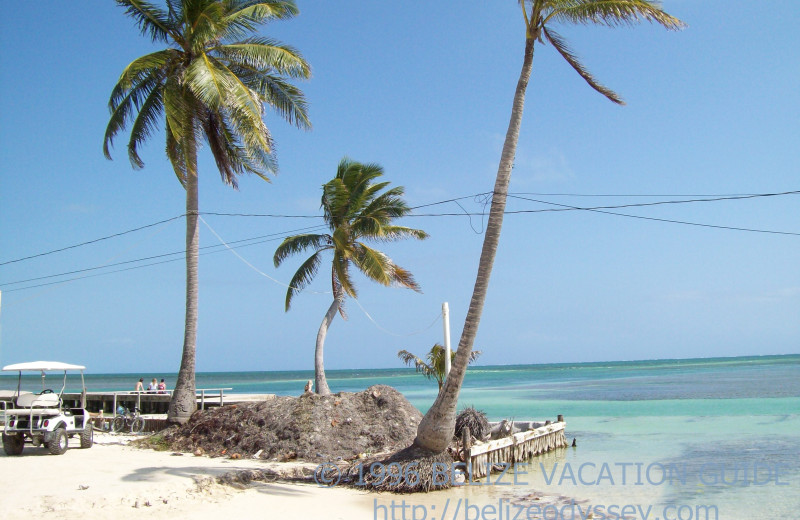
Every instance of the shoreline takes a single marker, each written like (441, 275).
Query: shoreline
(115, 479)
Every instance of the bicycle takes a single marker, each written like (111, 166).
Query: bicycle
(126, 420)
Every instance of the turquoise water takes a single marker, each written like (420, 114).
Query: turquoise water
(710, 420)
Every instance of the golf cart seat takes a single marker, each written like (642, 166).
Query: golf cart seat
(50, 400)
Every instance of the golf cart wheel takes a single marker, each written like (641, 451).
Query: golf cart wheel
(118, 424)
(87, 435)
(13, 443)
(58, 443)
(137, 426)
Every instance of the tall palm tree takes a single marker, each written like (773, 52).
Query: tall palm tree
(212, 82)
(434, 368)
(354, 210)
(437, 426)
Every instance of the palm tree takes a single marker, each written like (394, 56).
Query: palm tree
(354, 210)
(435, 366)
(211, 82)
(437, 426)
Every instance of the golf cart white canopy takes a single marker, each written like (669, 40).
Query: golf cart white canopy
(42, 366)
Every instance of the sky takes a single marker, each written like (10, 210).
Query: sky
(712, 111)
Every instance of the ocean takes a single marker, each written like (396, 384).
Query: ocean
(690, 438)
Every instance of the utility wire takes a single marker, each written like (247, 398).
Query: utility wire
(251, 266)
(600, 209)
(140, 266)
(154, 257)
(91, 241)
(481, 198)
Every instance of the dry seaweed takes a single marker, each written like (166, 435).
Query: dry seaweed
(310, 427)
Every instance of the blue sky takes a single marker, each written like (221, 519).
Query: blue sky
(711, 110)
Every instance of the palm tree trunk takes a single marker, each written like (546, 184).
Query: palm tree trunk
(436, 429)
(184, 401)
(320, 383)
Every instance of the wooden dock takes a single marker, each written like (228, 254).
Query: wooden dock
(154, 403)
(518, 447)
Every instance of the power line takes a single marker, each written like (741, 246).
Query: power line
(144, 259)
(600, 209)
(91, 241)
(481, 197)
(218, 246)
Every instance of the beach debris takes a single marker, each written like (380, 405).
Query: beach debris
(236, 456)
(177, 454)
(474, 419)
(199, 452)
(291, 455)
(82, 487)
(257, 455)
(574, 442)
(503, 429)
(308, 387)
(314, 427)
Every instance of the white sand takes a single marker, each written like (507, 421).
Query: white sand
(111, 480)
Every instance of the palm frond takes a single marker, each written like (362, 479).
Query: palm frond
(175, 156)
(342, 281)
(334, 202)
(614, 13)
(230, 156)
(393, 233)
(244, 17)
(123, 107)
(302, 277)
(177, 108)
(375, 265)
(561, 46)
(419, 365)
(299, 243)
(286, 99)
(139, 72)
(151, 20)
(207, 83)
(145, 124)
(404, 278)
(265, 55)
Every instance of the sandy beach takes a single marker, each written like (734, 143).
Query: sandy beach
(114, 480)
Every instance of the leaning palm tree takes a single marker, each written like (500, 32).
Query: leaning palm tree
(437, 426)
(354, 210)
(212, 82)
(434, 367)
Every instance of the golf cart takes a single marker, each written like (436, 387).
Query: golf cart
(41, 418)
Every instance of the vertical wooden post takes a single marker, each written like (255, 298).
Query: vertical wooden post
(446, 325)
(466, 444)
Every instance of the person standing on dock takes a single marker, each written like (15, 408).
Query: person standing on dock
(140, 385)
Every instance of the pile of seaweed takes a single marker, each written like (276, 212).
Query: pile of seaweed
(311, 427)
